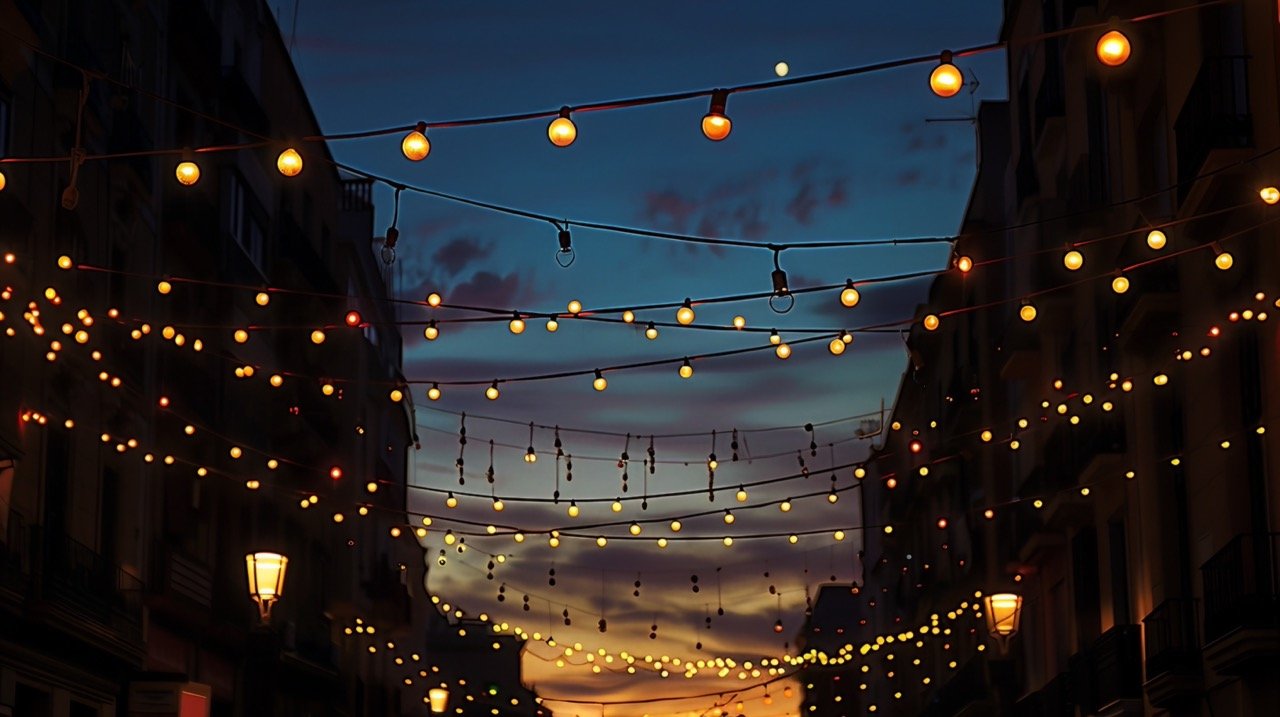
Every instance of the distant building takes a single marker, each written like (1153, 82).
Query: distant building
(1149, 570)
(833, 627)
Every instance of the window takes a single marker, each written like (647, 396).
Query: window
(243, 223)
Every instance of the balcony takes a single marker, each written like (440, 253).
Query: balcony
(1215, 115)
(1106, 677)
(180, 586)
(1173, 653)
(1051, 700)
(1242, 604)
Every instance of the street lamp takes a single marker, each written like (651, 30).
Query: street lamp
(266, 580)
(1004, 613)
(439, 698)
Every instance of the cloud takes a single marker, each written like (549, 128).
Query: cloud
(459, 253)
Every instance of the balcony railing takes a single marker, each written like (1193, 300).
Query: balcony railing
(1109, 670)
(1173, 646)
(1215, 115)
(75, 577)
(1242, 585)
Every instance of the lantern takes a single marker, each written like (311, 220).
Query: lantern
(439, 699)
(1004, 613)
(266, 580)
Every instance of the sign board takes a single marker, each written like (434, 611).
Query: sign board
(169, 699)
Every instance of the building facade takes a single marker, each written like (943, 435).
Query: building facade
(139, 467)
(1095, 433)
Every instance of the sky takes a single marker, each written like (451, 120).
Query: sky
(852, 158)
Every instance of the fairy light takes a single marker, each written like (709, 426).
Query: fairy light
(946, 79)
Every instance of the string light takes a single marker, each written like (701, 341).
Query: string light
(492, 392)
(1269, 195)
(1120, 284)
(739, 322)
(415, 146)
(849, 296)
(837, 346)
(783, 351)
(964, 264)
(562, 131)
(1073, 260)
(686, 369)
(552, 325)
(516, 326)
(600, 383)
(432, 332)
(188, 173)
(931, 322)
(1027, 312)
(1222, 258)
(433, 393)
(946, 79)
(716, 124)
(1113, 48)
(685, 314)
(651, 331)
(289, 163)
(1156, 239)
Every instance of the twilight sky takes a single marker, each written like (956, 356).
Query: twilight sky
(845, 159)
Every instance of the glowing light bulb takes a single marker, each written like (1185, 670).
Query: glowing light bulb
(675, 526)
(716, 124)
(1073, 260)
(946, 79)
(739, 322)
(434, 299)
(317, 337)
(629, 316)
(931, 322)
(562, 131)
(836, 347)
(1224, 260)
(396, 395)
(1113, 48)
(964, 264)
(575, 307)
(783, 351)
(415, 145)
(849, 296)
(262, 298)
(651, 331)
(432, 332)
(289, 162)
(686, 369)
(741, 495)
(685, 314)
(164, 287)
(3, 183)
(1120, 284)
(188, 173)
(552, 325)
(781, 69)
(1270, 195)
(600, 383)
(491, 392)
(1156, 239)
(616, 505)
(517, 324)
(1027, 312)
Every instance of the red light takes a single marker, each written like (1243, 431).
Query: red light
(916, 446)
(942, 523)
(164, 401)
(354, 318)
(335, 473)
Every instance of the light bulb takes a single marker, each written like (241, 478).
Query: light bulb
(629, 316)
(675, 526)
(686, 369)
(600, 383)
(964, 264)
(492, 393)
(685, 314)
(783, 351)
(635, 529)
(396, 395)
(388, 253)
(517, 324)
(741, 495)
(1156, 239)
(164, 287)
(739, 322)
(433, 393)
(3, 181)
(651, 331)
(946, 79)
(573, 509)
(575, 306)
(415, 145)
(836, 347)
(562, 131)
(931, 322)
(451, 501)
(553, 325)
(716, 124)
(728, 518)
(434, 299)
(188, 173)
(1223, 260)
(289, 162)
(774, 338)
(1073, 260)
(1270, 195)
(616, 505)
(317, 337)
(1120, 284)
(849, 296)
(1113, 48)
(432, 332)
(1027, 312)
(498, 505)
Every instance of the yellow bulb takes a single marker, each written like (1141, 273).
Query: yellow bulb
(739, 322)
(276, 380)
(628, 316)
(686, 370)
(1156, 239)
(600, 383)
(415, 146)
(601, 542)
(850, 297)
(1120, 284)
(785, 506)
(575, 306)
(1027, 312)
(434, 299)
(433, 393)
(553, 325)
(516, 326)
(562, 131)
(635, 528)
(431, 333)
(1113, 49)
(1270, 195)
(574, 511)
(262, 298)
(499, 506)
(716, 126)
(685, 315)
(451, 501)
(1073, 260)
(1160, 379)
(289, 162)
(728, 518)
(783, 351)
(396, 395)
(946, 80)
(651, 333)
(836, 347)
(728, 541)
(931, 322)
(188, 173)
(662, 543)
(675, 526)
(964, 264)
(3, 181)
(616, 506)
(1223, 261)
(164, 287)
(317, 337)
(491, 393)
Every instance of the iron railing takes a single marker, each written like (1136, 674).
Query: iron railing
(1242, 585)
(1173, 645)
